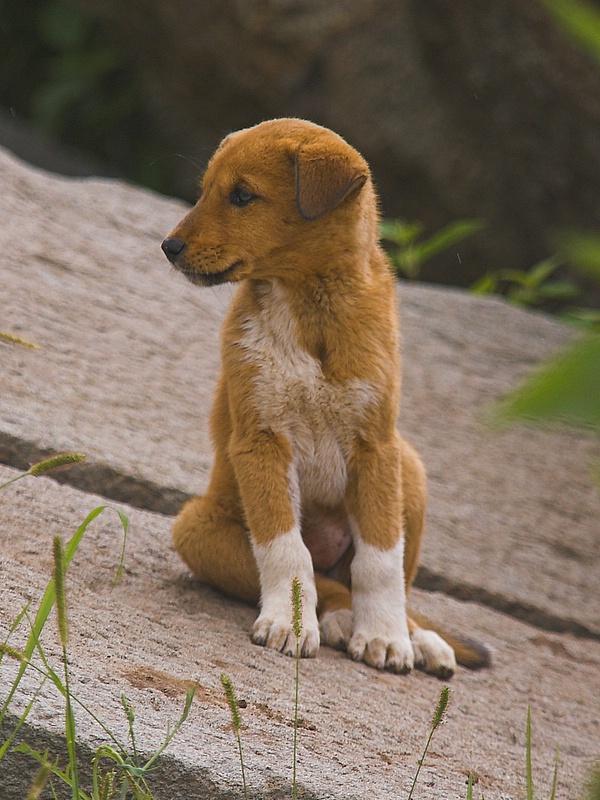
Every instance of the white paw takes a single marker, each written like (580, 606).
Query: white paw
(275, 631)
(336, 628)
(391, 653)
(433, 654)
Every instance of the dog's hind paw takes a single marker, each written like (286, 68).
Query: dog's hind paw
(393, 654)
(336, 628)
(433, 654)
(278, 635)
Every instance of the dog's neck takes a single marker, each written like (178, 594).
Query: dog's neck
(319, 307)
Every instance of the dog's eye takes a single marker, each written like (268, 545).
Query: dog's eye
(241, 197)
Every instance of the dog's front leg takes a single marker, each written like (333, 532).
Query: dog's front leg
(269, 488)
(380, 635)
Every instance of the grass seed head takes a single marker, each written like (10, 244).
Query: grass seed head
(441, 707)
(59, 588)
(10, 338)
(58, 460)
(39, 782)
(297, 607)
(11, 652)
(232, 702)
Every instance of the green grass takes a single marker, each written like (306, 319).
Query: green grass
(117, 768)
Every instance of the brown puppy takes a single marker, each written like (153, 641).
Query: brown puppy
(311, 478)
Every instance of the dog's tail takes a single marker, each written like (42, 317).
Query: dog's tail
(469, 653)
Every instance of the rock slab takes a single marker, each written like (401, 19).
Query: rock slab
(128, 357)
(125, 372)
(362, 731)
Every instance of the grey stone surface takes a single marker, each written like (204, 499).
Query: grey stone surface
(363, 731)
(128, 358)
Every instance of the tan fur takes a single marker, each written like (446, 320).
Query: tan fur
(304, 419)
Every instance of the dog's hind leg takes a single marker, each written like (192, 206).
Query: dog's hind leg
(215, 545)
(414, 493)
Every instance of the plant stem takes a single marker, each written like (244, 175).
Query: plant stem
(239, 741)
(436, 721)
(296, 693)
(528, 771)
(12, 480)
(420, 764)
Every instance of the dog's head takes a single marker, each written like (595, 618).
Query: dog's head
(275, 199)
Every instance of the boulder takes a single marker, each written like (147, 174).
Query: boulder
(487, 110)
(128, 357)
(157, 632)
(125, 370)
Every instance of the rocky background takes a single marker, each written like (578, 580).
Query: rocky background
(465, 110)
(124, 371)
(482, 114)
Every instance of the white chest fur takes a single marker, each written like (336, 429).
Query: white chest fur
(320, 418)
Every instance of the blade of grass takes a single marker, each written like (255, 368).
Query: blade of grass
(297, 628)
(14, 625)
(130, 715)
(125, 525)
(7, 743)
(554, 778)
(39, 783)
(172, 733)
(54, 677)
(61, 613)
(528, 771)
(48, 599)
(54, 769)
(49, 673)
(13, 480)
(470, 787)
(236, 721)
(436, 721)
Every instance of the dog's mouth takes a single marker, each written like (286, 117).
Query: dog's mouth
(210, 278)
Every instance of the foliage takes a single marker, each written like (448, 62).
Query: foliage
(581, 20)
(60, 72)
(436, 721)
(528, 288)
(409, 250)
(565, 390)
(118, 771)
(125, 774)
(236, 723)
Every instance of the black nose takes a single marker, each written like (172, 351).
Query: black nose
(172, 247)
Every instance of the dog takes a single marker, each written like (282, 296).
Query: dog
(311, 478)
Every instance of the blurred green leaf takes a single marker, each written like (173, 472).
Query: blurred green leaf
(450, 235)
(567, 389)
(62, 26)
(559, 290)
(487, 284)
(540, 272)
(581, 20)
(411, 253)
(587, 318)
(528, 288)
(593, 784)
(400, 232)
(583, 251)
(522, 296)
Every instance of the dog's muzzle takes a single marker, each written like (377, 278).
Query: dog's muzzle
(172, 248)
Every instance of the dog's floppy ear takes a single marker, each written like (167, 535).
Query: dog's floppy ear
(324, 179)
